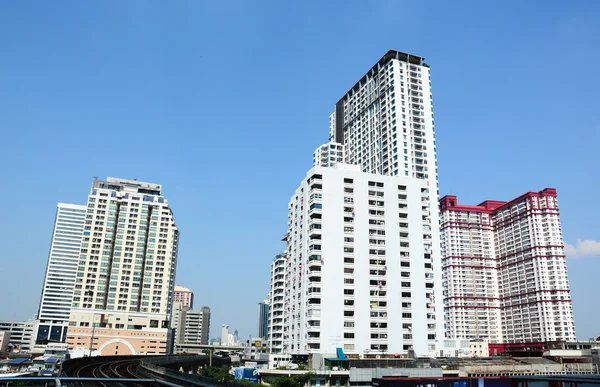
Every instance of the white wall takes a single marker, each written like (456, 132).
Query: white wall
(332, 270)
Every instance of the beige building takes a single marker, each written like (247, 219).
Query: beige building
(185, 296)
(480, 348)
(125, 278)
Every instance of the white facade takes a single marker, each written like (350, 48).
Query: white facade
(59, 279)
(328, 155)
(126, 273)
(386, 122)
(360, 269)
(227, 338)
(22, 333)
(517, 278)
(276, 304)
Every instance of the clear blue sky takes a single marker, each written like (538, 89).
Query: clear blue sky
(223, 103)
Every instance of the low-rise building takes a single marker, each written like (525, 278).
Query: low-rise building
(50, 363)
(257, 351)
(480, 348)
(22, 334)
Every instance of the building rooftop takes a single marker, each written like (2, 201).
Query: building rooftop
(127, 185)
(391, 54)
(449, 202)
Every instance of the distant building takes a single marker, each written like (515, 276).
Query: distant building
(263, 319)
(190, 326)
(224, 334)
(505, 271)
(184, 295)
(22, 334)
(59, 280)
(228, 339)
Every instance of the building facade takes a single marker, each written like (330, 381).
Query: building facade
(21, 334)
(185, 296)
(263, 319)
(61, 270)
(190, 326)
(125, 278)
(505, 270)
(360, 273)
(277, 308)
(378, 201)
(328, 155)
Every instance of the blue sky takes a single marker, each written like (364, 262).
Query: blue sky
(223, 103)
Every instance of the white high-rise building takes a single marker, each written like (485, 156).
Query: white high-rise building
(505, 270)
(385, 121)
(360, 269)
(59, 279)
(125, 280)
(383, 208)
(276, 304)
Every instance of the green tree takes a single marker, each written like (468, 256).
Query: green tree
(291, 381)
(220, 374)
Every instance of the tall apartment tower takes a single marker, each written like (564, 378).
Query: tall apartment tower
(185, 296)
(363, 268)
(277, 308)
(124, 287)
(360, 273)
(59, 279)
(263, 319)
(385, 121)
(505, 270)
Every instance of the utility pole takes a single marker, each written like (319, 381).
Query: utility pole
(92, 339)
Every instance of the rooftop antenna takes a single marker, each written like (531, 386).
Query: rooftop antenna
(95, 177)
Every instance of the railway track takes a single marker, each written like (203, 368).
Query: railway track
(119, 369)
